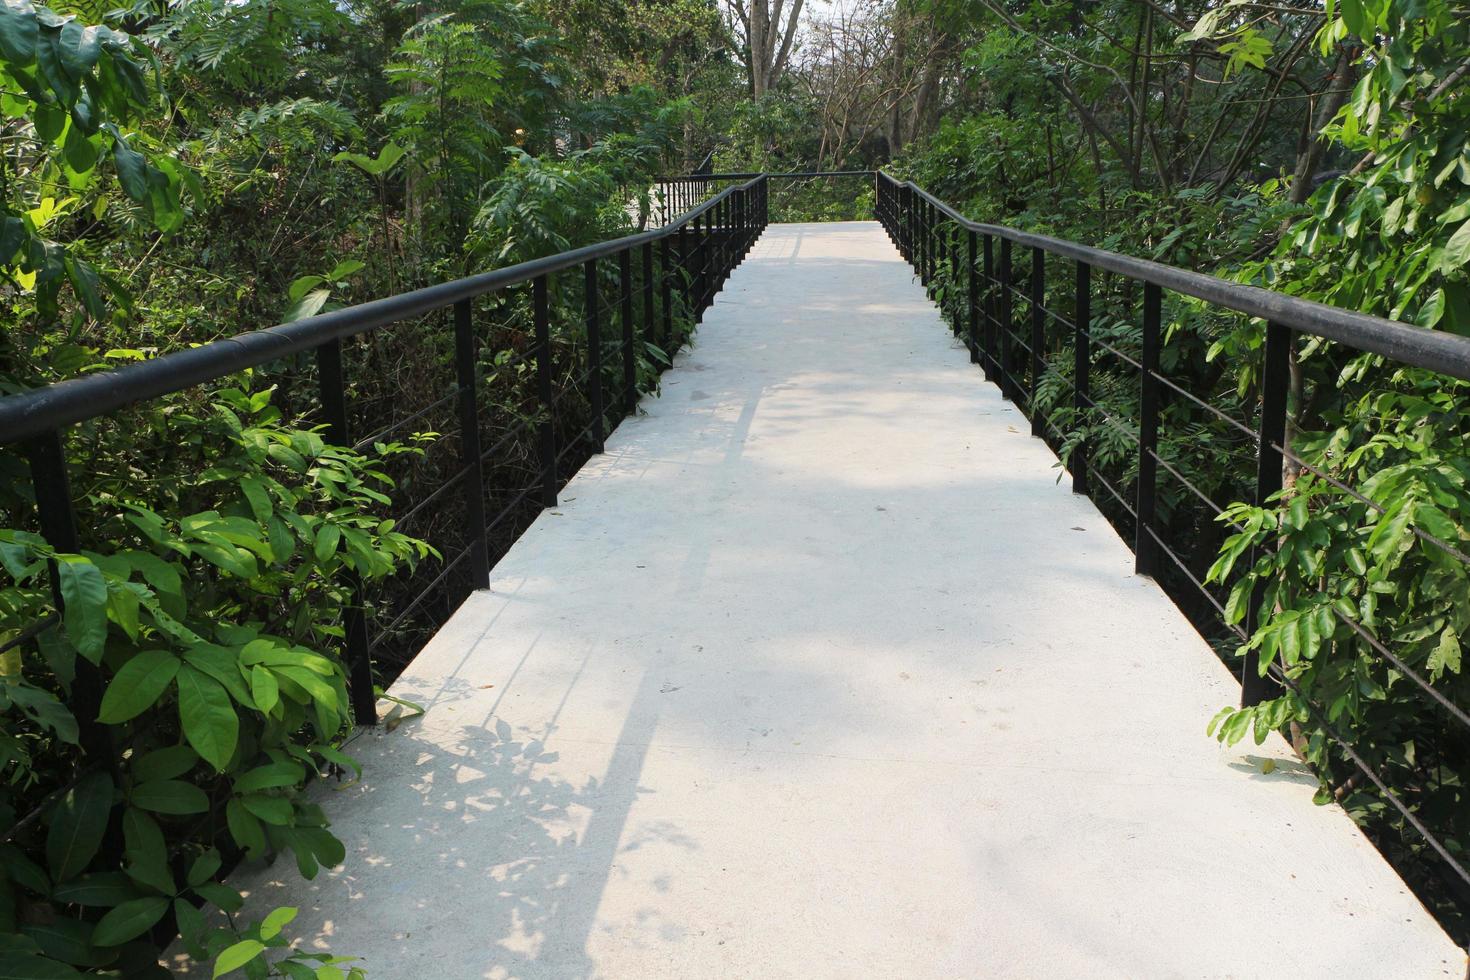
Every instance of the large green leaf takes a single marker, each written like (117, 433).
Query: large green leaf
(208, 718)
(79, 47)
(172, 796)
(84, 593)
(78, 824)
(129, 921)
(1456, 250)
(146, 852)
(19, 32)
(138, 686)
(104, 889)
(132, 168)
(27, 966)
(237, 956)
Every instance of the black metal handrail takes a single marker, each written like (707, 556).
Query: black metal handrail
(976, 260)
(678, 192)
(680, 267)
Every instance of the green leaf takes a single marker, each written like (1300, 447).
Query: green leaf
(132, 168)
(204, 868)
(78, 823)
(346, 268)
(1456, 251)
(271, 925)
(260, 501)
(385, 161)
(19, 32)
(78, 151)
(190, 920)
(1446, 655)
(166, 763)
(146, 853)
(264, 689)
(79, 47)
(308, 305)
(245, 828)
(28, 966)
(275, 775)
(272, 809)
(138, 686)
(104, 889)
(208, 718)
(237, 956)
(84, 594)
(129, 921)
(173, 796)
(326, 541)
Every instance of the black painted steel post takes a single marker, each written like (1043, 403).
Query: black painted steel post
(650, 321)
(333, 391)
(546, 431)
(987, 360)
(594, 354)
(1003, 323)
(1038, 337)
(666, 293)
(466, 354)
(1275, 381)
(1145, 546)
(686, 279)
(58, 523)
(1081, 373)
(630, 347)
(973, 320)
(701, 264)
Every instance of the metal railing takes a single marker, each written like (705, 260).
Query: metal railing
(973, 269)
(662, 276)
(673, 194)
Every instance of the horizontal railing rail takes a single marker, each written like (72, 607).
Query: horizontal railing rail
(660, 278)
(674, 193)
(30, 413)
(973, 271)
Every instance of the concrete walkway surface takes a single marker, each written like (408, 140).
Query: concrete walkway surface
(818, 672)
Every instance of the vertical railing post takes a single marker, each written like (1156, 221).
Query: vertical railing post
(973, 321)
(546, 431)
(1038, 337)
(727, 223)
(666, 294)
(910, 228)
(701, 263)
(630, 347)
(1081, 374)
(988, 361)
(686, 278)
(1003, 322)
(594, 354)
(58, 524)
(925, 243)
(1275, 382)
(465, 355)
(1145, 545)
(650, 320)
(333, 391)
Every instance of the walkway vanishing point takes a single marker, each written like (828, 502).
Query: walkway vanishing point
(819, 672)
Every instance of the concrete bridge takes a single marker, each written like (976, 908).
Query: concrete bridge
(819, 672)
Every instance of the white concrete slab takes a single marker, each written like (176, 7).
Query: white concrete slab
(819, 673)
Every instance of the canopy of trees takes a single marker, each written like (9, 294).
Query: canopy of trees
(173, 173)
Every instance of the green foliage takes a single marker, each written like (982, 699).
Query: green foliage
(77, 91)
(215, 629)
